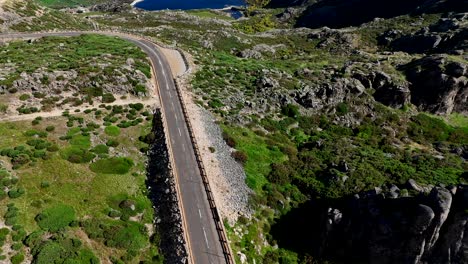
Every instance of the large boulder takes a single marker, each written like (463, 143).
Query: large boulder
(438, 85)
(371, 228)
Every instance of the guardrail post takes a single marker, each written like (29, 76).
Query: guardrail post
(214, 210)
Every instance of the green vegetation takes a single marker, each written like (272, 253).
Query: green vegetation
(112, 131)
(66, 3)
(38, 18)
(209, 14)
(59, 248)
(115, 165)
(259, 155)
(56, 218)
(55, 192)
(77, 53)
(290, 154)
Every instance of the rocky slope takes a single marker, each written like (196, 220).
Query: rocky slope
(344, 13)
(384, 226)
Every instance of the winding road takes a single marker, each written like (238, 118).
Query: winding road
(203, 239)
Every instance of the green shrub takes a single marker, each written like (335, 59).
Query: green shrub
(239, 156)
(16, 246)
(290, 110)
(112, 131)
(342, 109)
(139, 88)
(114, 213)
(17, 259)
(101, 149)
(425, 128)
(77, 155)
(24, 97)
(53, 148)
(112, 143)
(108, 98)
(16, 192)
(56, 218)
(114, 165)
(80, 140)
(3, 108)
(230, 141)
(137, 106)
(32, 133)
(50, 128)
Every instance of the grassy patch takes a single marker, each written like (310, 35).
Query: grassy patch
(208, 14)
(66, 3)
(114, 165)
(259, 155)
(81, 141)
(112, 131)
(56, 218)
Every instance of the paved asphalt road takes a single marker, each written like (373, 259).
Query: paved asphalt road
(201, 231)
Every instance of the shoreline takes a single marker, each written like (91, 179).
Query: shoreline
(136, 2)
(226, 8)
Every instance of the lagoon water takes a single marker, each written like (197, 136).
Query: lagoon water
(187, 4)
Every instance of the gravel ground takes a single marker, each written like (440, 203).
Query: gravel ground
(226, 176)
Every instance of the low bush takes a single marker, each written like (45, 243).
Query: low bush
(230, 141)
(56, 218)
(114, 165)
(239, 156)
(112, 143)
(108, 98)
(100, 149)
(137, 106)
(77, 155)
(112, 131)
(17, 259)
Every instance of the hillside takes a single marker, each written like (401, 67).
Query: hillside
(350, 122)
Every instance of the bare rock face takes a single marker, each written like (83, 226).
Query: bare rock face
(113, 6)
(448, 35)
(387, 90)
(333, 40)
(345, 13)
(438, 85)
(379, 227)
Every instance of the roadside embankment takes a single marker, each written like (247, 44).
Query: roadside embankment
(162, 192)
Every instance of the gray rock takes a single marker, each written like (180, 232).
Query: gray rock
(438, 86)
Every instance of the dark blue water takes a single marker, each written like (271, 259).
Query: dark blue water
(187, 4)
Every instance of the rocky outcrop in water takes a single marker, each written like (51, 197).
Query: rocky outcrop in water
(163, 194)
(383, 226)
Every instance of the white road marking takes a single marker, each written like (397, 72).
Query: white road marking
(176, 118)
(172, 103)
(183, 147)
(180, 133)
(206, 239)
(170, 95)
(199, 213)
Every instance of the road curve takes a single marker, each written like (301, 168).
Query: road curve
(204, 242)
